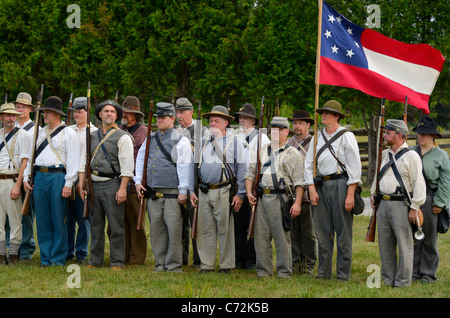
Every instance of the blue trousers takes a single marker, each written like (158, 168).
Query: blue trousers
(51, 223)
(78, 241)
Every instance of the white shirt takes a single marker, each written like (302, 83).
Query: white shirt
(67, 145)
(346, 150)
(184, 165)
(22, 141)
(81, 133)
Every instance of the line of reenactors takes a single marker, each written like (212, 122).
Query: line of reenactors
(298, 193)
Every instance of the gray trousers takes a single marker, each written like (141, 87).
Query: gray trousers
(395, 234)
(426, 254)
(304, 241)
(105, 205)
(268, 226)
(166, 228)
(215, 223)
(330, 220)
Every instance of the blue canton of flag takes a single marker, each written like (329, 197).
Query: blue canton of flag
(341, 39)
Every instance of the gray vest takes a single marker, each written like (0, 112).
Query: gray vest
(99, 163)
(162, 173)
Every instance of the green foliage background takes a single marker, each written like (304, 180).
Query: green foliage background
(210, 50)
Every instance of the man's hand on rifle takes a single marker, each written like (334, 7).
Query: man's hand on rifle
(251, 199)
(194, 200)
(27, 186)
(236, 203)
(140, 190)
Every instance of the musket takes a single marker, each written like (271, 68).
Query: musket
(116, 98)
(197, 150)
(26, 200)
(88, 198)
(144, 172)
(405, 110)
(370, 235)
(251, 224)
(69, 110)
(277, 109)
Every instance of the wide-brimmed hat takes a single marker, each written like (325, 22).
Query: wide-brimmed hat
(183, 103)
(332, 106)
(118, 108)
(247, 110)
(427, 126)
(220, 111)
(53, 103)
(302, 115)
(131, 104)
(9, 108)
(79, 103)
(280, 122)
(396, 125)
(26, 99)
(164, 109)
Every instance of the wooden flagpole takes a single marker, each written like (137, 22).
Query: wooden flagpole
(316, 102)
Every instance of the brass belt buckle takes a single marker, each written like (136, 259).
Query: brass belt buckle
(326, 178)
(266, 191)
(386, 197)
(95, 173)
(159, 195)
(43, 169)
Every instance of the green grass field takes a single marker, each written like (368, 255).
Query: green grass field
(32, 281)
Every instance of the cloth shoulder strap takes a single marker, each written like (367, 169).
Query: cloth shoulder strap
(391, 162)
(45, 142)
(329, 142)
(10, 135)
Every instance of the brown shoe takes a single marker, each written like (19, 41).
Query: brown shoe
(3, 260)
(13, 259)
(116, 268)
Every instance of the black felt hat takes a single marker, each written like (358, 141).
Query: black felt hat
(53, 103)
(427, 126)
(118, 108)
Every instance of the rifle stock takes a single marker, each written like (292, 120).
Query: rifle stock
(69, 110)
(370, 235)
(198, 140)
(144, 172)
(251, 224)
(88, 199)
(26, 201)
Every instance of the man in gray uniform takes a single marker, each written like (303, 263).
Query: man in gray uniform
(222, 169)
(281, 175)
(396, 208)
(169, 173)
(332, 193)
(112, 165)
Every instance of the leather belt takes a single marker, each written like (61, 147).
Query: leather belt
(4, 176)
(272, 191)
(159, 195)
(213, 186)
(334, 176)
(49, 169)
(388, 197)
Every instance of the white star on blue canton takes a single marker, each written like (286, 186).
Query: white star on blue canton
(327, 34)
(331, 18)
(334, 49)
(350, 53)
(339, 19)
(350, 31)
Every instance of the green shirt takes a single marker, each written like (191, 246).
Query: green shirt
(436, 166)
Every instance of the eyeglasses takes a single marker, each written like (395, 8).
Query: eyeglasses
(388, 134)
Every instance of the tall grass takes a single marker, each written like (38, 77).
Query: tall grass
(30, 280)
